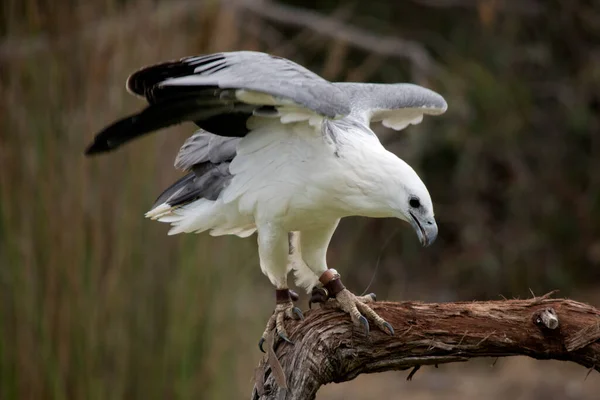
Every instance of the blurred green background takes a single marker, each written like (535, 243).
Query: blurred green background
(97, 302)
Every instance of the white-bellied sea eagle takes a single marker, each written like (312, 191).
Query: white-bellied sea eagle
(284, 153)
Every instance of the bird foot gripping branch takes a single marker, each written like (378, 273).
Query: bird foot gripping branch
(284, 309)
(333, 294)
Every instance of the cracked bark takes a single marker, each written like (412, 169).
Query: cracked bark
(328, 348)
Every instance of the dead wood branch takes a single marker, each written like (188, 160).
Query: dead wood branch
(329, 349)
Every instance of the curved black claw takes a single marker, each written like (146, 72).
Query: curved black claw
(260, 344)
(284, 337)
(293, 295)
(365, 323)
(373, 296)
(389, 328)
(298, 313)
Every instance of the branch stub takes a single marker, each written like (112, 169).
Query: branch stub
(546, 318)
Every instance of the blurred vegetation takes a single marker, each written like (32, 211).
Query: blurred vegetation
(97, 302)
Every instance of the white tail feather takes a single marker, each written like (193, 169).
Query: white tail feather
(203, 215)
(157, 211)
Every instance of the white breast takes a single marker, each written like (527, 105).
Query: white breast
(285, 173)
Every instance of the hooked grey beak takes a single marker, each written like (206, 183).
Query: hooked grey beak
(427, 230)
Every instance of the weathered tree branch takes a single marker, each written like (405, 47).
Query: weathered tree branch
(328, 348)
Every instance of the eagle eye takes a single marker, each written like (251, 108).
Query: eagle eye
(414, 202)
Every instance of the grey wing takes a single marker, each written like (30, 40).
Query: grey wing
(219, 92)
(259, 72)
(206, 181)
(207, 158)
(395, 105)
(205, 147)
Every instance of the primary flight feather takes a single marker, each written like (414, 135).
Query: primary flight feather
(284, 153)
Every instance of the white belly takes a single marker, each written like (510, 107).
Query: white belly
(287, 175)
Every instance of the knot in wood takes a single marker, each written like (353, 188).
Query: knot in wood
(546, 318)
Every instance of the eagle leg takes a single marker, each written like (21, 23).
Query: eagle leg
(284, 309)
(333, 294)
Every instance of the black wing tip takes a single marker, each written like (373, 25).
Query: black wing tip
(98, 147)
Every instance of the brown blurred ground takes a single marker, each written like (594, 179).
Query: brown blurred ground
(96, 302)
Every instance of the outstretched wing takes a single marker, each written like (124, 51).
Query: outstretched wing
(219, 92)
(396, 105)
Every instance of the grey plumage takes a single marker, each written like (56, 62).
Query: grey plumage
(245, 70)
(285, 79)
(206, 181)
(208, 90)
(172, 191)
(205, 147)
(373, 97)
(207, 156)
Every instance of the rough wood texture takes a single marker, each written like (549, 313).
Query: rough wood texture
(328, 348)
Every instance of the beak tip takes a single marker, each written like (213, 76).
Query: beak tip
(428, 236)
(429, 239)
(427, 233)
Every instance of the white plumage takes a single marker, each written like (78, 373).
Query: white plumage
(281, 150)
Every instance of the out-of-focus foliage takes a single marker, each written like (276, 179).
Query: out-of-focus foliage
(97, 302)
